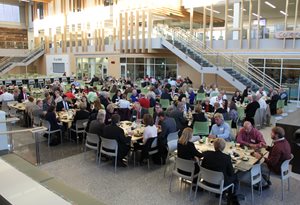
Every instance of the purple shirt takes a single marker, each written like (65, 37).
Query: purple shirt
(253, 137)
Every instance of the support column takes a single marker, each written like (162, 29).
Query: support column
(102, 38)
(285, 21)
(249, 25)
(226, 25)
(143, 32)
(137, 33)
(120, 33)
(236, 20)
(295, 22)
(258, 24)
(211, 26)
(191, 19)
(131, 32)
(204, 26)
(149, 24)
(126, 33)
(241, 24)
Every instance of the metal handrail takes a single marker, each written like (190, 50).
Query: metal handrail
(237, 62)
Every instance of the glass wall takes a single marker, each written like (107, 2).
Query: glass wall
(87, 67)
(284, 71)
(159, 68)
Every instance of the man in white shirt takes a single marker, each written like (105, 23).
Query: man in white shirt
(261, 92)
(6, 96)
(261, 101)
(123, 103)
(217, 98)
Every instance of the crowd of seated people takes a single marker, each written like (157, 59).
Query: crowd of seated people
(116, 100)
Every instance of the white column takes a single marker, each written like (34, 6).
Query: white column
(92, 62)
(30, 27)
(236, 20)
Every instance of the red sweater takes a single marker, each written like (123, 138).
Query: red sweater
(280, 152)
(145, 103)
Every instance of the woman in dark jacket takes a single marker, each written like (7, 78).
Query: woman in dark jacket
(51, 118)
(198, 116)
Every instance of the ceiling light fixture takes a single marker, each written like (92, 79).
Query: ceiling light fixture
(283, 13)
(254, 14)
(269, 4)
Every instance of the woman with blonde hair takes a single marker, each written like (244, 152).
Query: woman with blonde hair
(187, 150)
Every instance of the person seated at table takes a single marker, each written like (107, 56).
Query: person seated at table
(110, 110)
(57, 97)
(173, 92)
(144, 101)
(198, 116)
(221, 129)
(187, 150)
(73, 89)
(215, 99)
(113, 131)
(181, 93)
(138, 112)
(97, 125)
(178, 115)
(220, 162)
(51, 118)
(157, 109)
(47, 102)
(86, 89)
(94, 79)
(149, 133)
(206, 106)
(117, 96)
(81, 114)
(251, 109)
(278, 153)
(249, 136)
(152, 98)
(186, 106)
(75, 83)
(233, 114)
(104, 98)
(6, 96)
(134, 96)
(191, 96)
(123, 102)
(86, 103)
(237, 97)
(166, 95)
(23, 95)
(64, 104)
(92, 95)
(37, 110)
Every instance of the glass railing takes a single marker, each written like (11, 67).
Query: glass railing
(217, 59)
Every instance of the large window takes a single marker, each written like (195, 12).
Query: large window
(284, 71)
(9, 13)
(159, 68)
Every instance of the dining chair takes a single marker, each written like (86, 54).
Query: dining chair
(46, 124)
(172, 148)
(92, 142)
(165, 103)
(183, 169)
(109, 147)
(256, 178)
(79, 128)
(207, 178)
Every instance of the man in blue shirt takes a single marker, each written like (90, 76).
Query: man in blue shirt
(221, 129)
(77, 84)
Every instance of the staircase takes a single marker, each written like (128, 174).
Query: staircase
(236, 70)
(8, 63)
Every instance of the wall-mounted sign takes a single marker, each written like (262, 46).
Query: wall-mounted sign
(57, 59)
(287, 34)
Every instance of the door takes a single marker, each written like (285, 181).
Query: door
(123, 70)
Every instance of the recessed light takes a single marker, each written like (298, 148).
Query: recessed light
(269, 4)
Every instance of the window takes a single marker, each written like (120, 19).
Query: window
(9, 13)
(58, 67)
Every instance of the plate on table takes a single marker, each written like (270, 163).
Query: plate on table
(245, 159)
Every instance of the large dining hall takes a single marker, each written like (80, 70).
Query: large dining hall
(149, 102)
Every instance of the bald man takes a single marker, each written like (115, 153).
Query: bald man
(250, 136)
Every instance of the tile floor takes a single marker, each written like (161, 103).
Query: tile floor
(138, 185)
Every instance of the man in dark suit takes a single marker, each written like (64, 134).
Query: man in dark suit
(63, 105)
(177, 114)
(138, 112)
(113, 131)
(23, 95)
(81, 114)
(168, 125)
(220, 162)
